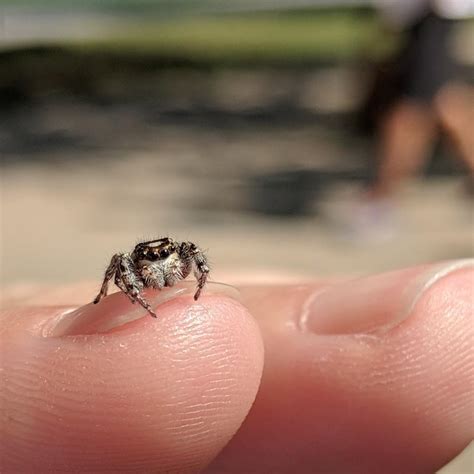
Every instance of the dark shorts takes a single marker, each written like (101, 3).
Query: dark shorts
(425, 64)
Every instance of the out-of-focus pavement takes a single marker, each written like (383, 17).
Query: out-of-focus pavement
(62, 221)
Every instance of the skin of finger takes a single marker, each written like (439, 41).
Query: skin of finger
(150, 396)
(398, 402)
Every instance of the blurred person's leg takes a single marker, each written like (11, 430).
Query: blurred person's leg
(455, 109)
(407, 131)
(406, 137)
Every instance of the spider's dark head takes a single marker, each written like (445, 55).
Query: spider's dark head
(154, 250)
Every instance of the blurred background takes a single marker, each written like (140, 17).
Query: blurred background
(289, 138)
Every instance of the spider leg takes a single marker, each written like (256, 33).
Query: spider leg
(129, 283)
(134, 295)
(145, 304)
(133, 292)
(201, 271)
(121, 285)
(109, 273)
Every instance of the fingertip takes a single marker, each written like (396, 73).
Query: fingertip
(147, 395)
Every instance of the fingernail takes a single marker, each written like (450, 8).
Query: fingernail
(373, 304)
(117, 310)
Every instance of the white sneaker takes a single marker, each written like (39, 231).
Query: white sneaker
(371, 220)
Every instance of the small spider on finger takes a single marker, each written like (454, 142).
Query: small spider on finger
(155, 264)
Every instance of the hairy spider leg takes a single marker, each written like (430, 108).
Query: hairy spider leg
(201, 272)
(109, 273)
(121, 285)
(134, 296)
(129, 283)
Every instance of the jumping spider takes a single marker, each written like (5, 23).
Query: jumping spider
(156, 264)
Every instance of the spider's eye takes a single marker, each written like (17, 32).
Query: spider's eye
(164, 253)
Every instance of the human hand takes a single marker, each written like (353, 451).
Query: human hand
(371, 375)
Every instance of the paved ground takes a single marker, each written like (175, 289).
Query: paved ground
(62, 220)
